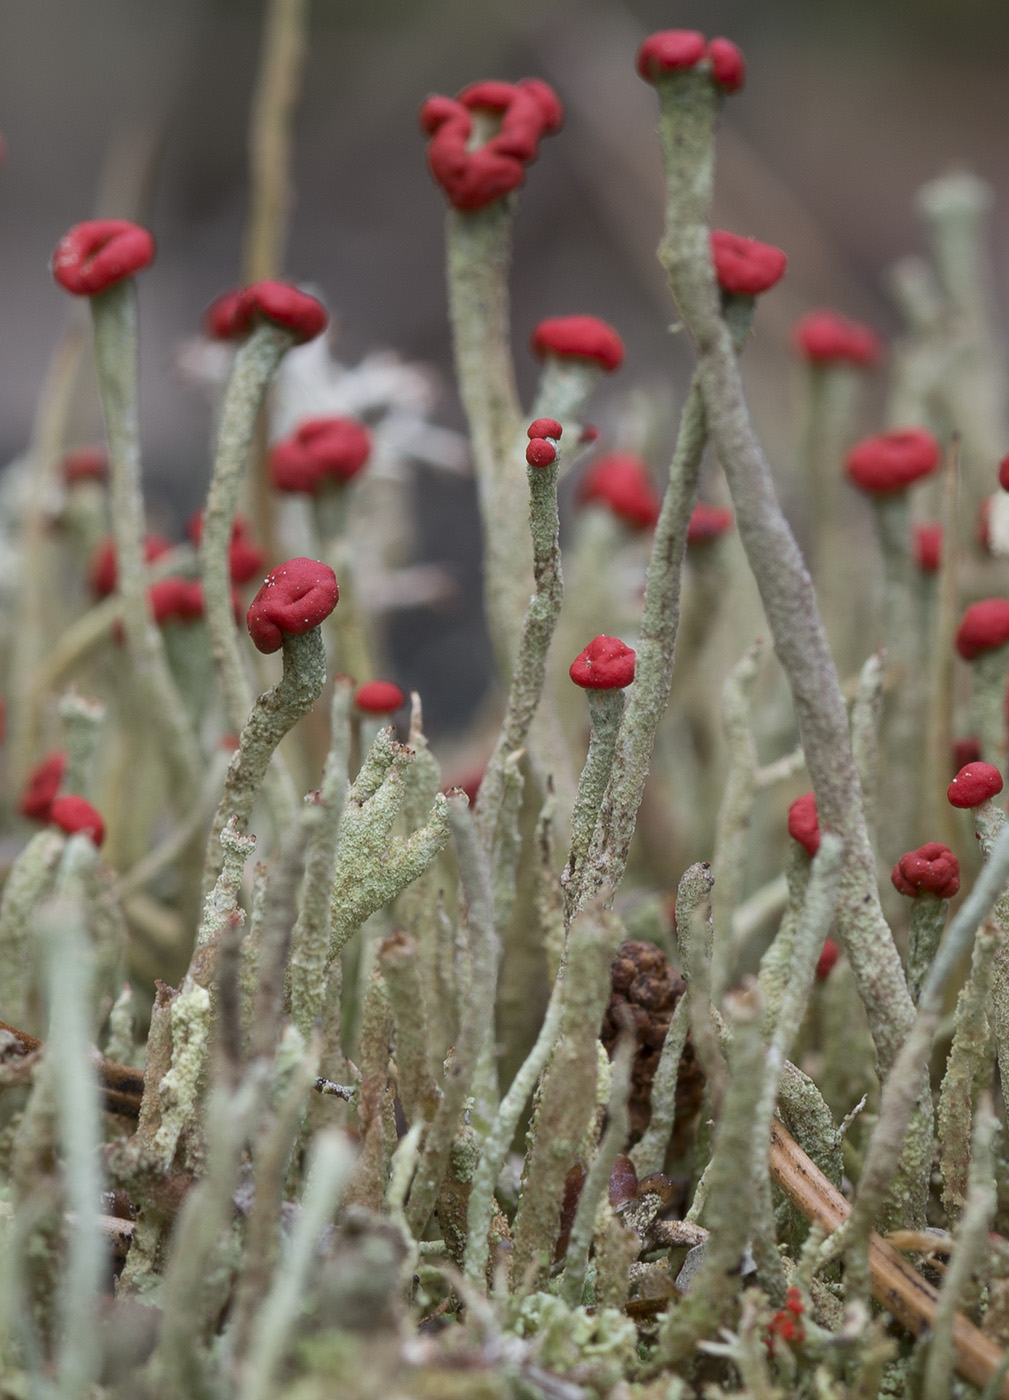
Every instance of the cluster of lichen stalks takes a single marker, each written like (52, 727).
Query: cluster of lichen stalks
(418, 1116)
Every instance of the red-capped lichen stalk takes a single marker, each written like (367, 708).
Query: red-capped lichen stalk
(930, 876)
(98, 259)
(973, 789)
(690, 98)
(982, 640)
(603, 670)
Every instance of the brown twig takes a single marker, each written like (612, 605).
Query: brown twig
(122, 1086)
(894, 1281)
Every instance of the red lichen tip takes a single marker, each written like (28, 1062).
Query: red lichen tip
(605, 664)
(728, 66)
(541, 452)
(579, 338)
(669, 51)
(74, 814)
(829, 955)
(931, 869)
(804, 823)
(97, 254)
(892, 461)
(974, 784)
(928, 548)
(744, 266)
(295, 311)
(983, 627)
(85, 464)
(295, 597)
(544, 427)
(707, 523)
(1003, 472)
(620, 481)
(379, 697)
(234, 313)
(175, 600)
(332, 449)
(474, 177)
(826, 338)
(225, 318)
(42, 785)
(103, 571)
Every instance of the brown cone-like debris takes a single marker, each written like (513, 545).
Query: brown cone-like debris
(644, 983)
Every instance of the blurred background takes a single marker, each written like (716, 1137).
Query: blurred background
(848, 108)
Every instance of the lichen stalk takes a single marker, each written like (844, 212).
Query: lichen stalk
(63, 934)
(813, 926)
(114, 314)
(866, 713)
(498, 1139)
(271, 122)
(903, 710)
(594, 1189)
(729, 1193)
(418, 1090)
(329, 1168)
(970, 1242)
(306, 966)
(483, 953)
(564, 389)
(537, 629)
(567, 1097)
(906, 1084)
(606, 710)
(928, 919)
(192, 1284)
(689, 106)
(606, 859)
(373, 866)
(275, 713)
(255, 364)
(478, 259)
(968, 1069)
(292, 1073)
(987, 703)
(735, 810)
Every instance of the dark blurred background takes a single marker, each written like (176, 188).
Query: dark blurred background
(849, 107)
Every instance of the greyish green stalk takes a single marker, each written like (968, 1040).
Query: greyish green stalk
(596, 1182)
(970, 1246)
(606, 710)
(538, 625)
(905, 1084)
(372, 865)
(329, 1169)
(275, 713)
(114, 314)
(255, 364)
(483, 953)
(689, 106)
(968, 1069)
(928, 919)
(567, 1097)
(306, 966)
(735, 811)
(729, 1192)
(478, 260)
(987, 703)
(606, 859)
(63, 934)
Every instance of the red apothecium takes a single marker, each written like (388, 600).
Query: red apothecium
(95, 255)
(295, 597)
